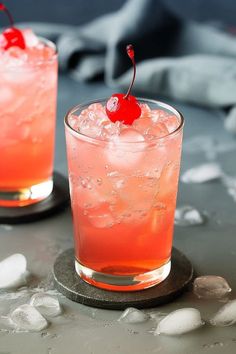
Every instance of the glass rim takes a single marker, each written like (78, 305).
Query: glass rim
(106, 141)
(37, 63)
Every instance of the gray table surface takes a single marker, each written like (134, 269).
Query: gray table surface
(211, 248)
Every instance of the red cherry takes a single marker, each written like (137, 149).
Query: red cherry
(13, 36)
(124, 108)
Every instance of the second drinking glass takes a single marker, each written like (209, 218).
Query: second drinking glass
(28, 92)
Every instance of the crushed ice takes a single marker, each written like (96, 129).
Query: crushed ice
(133, 315)
(202, 173)
(226, 316)
(208, 145)
(188, 215)
(210, 287)
(179, 322)
(13, 271)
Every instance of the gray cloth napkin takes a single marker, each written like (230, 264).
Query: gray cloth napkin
(188, 61)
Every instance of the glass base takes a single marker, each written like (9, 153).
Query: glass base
(26, 196)
(123, 282)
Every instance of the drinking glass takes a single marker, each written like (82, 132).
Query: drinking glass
(123, 198)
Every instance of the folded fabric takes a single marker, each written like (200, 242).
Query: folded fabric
(187, 61)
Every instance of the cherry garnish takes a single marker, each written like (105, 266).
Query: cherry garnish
(124, 108)
(12, 35)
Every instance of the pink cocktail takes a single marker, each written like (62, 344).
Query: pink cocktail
(28, 90)
(123, 185)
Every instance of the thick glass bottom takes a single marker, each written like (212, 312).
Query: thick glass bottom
(26, 196)
(123, 282)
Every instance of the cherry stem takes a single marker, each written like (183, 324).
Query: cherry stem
(3, 8)
(130, 52)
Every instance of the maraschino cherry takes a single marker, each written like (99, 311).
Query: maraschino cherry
(124, 108)
(12, 35)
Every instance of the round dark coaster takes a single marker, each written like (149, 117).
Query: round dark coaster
(56, 201)
(72, 286)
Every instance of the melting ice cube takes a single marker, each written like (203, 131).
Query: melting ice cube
(211, 286)
(47, 305)
(188, 215)
(230, 184)
(179, 322)
(133, 315)
(202, 173)
(226, 316)
(26, 317)
(13, 273)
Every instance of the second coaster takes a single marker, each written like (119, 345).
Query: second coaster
(72, 286)
(56, 201)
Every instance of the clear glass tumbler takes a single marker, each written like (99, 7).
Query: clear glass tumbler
(28, 93)
(123, 198)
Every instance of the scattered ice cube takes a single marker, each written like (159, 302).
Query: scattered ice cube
(13, 272)
(201, 143)
(133, 315)
(179, 322)
(226, 316)
(46, 304)
(188, 215)
(28, 318)
(202, 173)
(7, 227)
(230, 184)
(208, 145)
(210, 287)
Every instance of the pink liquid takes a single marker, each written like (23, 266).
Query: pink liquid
(27, 116)
(123, 196)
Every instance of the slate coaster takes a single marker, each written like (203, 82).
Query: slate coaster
(72, 286)
(56, 201)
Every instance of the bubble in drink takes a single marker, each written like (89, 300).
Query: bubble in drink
(188, 215)
(133, 315)
(211, 287)
(13, 272)
(202, 173)
(180, 322)
(226, 316)
(27, 318)
(47, 305)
